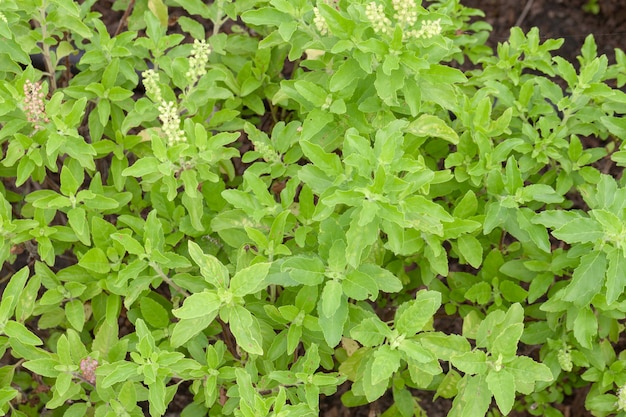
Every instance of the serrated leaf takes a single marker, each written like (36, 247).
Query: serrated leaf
(305, 270)
(471, 249)
(474, 362)
(250, 280)
(615, 275)
(186, 329)
(413, 315)
(331, 298)
(198, 305)
(526, 371)
(428, 125)
(585, 327)
(370, 332)
(502, 385)
(213, 271)
(587, 279)
(246, 330)
(359, 286)
(130, 244)
(473, 399)
(18, 331)
(332, 327)
(43, 366)
(445, 346)
(386, 361)
(10, 295)
(414, 351)
(328, 162)
(579, 231)
(385, 280)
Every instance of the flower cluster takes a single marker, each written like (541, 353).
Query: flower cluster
(406, 12)
(88, 368)
(34, 105)
(151, 84)
(198, 60)
(320, 22)
(3, 18)
(376, 15)
(565, 359)
(171, 123)
(429, 29)
(621, 398)
(267, 152)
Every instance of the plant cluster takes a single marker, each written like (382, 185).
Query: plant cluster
(302, 196)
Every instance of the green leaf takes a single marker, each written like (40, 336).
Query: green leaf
(587, 279)
(95, 260)
(246, 329)
(579, 231)
(198, 305)
(386, 361)
(130, 244)
(347, 74)
(11, 293)
(415, 352)
(428, 125)
(311, 92)
(159, 9)
(474, 362)
(265, 16)
(526, 371)
(305, 270)
(370, 332)
(444, 346)
(585, 327)
(213, 271)
(615, 274)
(63, 382)
(331, 298)
(115, 372)
(502, 385)
(332, 327)
(502, 339)
(44, 367)
(75, 313)
(385, 280)
(142, 167)
(471, 249)
(359, 286)
(186, 329)
(250, 280)
(413, 315)
(339, 25)
(473, 399)
(18, 331)
(6, 395)
(154, 313)
(328, 162)
(69, 183)
(77, 219)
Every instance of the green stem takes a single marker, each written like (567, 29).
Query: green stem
(168, 280)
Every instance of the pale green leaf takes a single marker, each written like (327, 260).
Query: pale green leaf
(197, 305)
(502, 385)
(246, 330)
